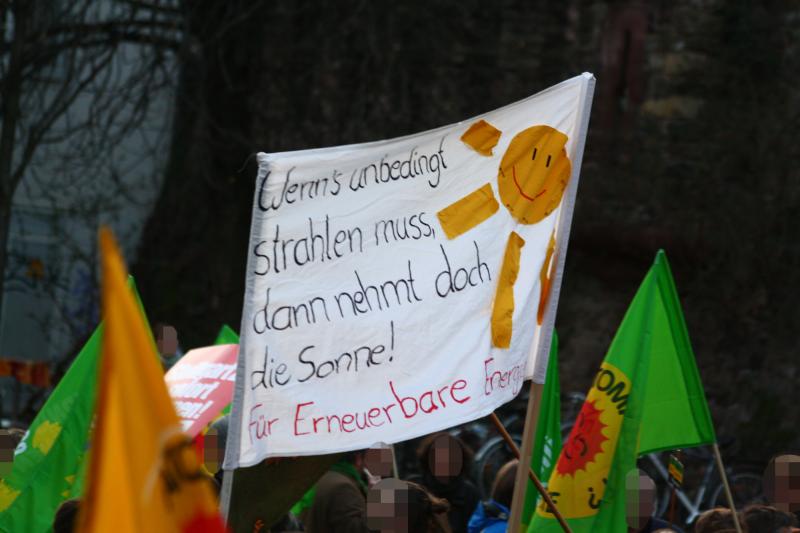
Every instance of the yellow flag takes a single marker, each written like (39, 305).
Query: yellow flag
(144, 474)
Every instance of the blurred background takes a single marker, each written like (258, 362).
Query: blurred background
(144, 115)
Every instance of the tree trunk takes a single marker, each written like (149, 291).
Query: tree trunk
(190, 265)
(5, 224)
(11, 95)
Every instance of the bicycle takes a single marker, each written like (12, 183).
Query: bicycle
(745, 484)
(744, 480)
(494, 452)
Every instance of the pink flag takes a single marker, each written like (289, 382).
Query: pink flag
(201, 385)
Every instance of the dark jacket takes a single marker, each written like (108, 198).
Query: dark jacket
(340, 506)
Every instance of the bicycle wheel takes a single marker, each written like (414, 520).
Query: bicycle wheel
(488, 460)
(746, 488)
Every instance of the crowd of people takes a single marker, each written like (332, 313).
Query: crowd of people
(361, 493)
(355, 497)
(358, 495)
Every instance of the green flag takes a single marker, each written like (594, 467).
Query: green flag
(226, 335)
(646, 396)
(49, 463)
(547, 442)
(675, 409)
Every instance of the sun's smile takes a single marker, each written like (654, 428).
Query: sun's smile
(519, 187)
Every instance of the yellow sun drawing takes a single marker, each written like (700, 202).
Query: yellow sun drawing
(533, 174)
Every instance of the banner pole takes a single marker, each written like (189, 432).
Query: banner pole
(528, 438)
(727, 487)
(539, 487)
(225, 493)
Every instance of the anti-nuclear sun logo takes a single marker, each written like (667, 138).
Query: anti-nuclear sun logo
(579, 479)
(584, 442)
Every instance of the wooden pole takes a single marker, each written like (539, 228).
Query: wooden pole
(672, 507)
(728, 494)
(528, 436)
(531, 475)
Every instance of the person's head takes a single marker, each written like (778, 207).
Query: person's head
(395, 506)
(503, 485)
(714, 520)
(213, 451)
(379, 462)
(66, 517)
(767, 519)
(444, 457)
(167, 343)
(640, 498)
(214, 445)
(782, 482)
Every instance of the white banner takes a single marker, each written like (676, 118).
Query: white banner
(400, 287)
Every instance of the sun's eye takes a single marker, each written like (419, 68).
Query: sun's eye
(548, 161)
(534, 154)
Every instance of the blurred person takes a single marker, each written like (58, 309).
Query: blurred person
(782, 483)
(716, 520)
(169, 349)
(66, 516)
(640, 504)
(395, 506)
(768, 519)
(444, 462)
(340, 498)
(214, 448)
(492, 516)
(378, 464)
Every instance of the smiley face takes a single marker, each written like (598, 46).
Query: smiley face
(533, 173)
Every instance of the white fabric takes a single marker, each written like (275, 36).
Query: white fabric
(408, 340)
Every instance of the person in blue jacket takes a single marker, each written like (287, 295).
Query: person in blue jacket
(492, 516)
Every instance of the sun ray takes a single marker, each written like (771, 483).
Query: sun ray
(503, 308)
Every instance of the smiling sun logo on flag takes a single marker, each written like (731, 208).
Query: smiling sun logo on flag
(533, 174)
(578, 481)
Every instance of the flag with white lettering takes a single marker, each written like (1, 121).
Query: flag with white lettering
(201, 385)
